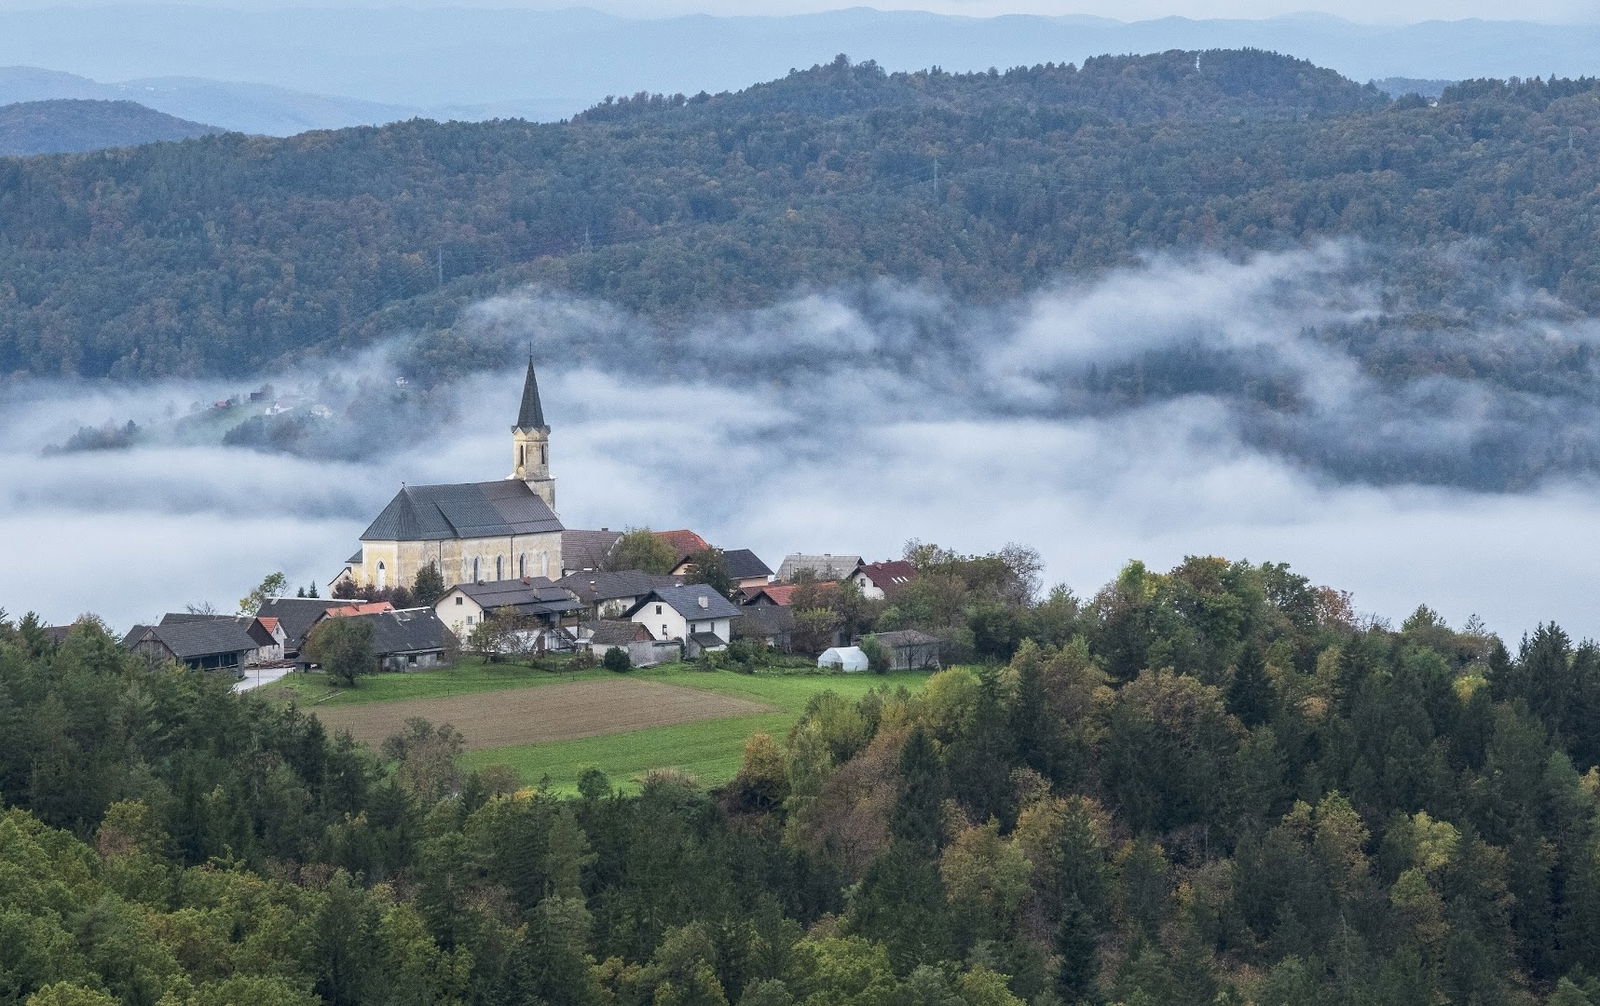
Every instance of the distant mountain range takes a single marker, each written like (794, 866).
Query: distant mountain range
(478, 64)
(72, 125)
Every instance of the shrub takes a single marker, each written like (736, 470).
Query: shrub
(878, 657)
(617, 659)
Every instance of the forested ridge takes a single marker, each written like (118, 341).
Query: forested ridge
(1211, 785)
(228, 254)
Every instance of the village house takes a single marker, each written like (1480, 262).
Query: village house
(745, 568)
(684, 544)
(694, 614)
(822, 567)
(880, 580)
(472, 531)
(587, 551)
(542, 602)
(779, 594)
(611, 594)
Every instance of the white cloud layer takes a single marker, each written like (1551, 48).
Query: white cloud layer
(860, 441)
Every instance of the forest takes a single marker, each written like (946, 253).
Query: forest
(1216, 784)
(232, 254)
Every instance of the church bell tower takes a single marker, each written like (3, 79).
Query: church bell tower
(530, 440)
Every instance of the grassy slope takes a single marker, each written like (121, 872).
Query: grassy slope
(710, 750)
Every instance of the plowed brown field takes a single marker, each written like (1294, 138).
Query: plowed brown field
(543, 713)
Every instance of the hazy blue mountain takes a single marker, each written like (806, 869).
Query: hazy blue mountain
(545, 64)
(73, 125)
(243, 107)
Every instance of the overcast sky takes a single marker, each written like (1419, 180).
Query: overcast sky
(1377, 11)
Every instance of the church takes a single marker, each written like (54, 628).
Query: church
(474, 530)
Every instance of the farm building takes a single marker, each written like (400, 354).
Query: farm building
(843, 658)
(632, 638)
(768, 623)
(910, 650)
(202, 644)
(408, 639)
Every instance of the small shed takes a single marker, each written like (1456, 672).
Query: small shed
(843, 658)
(910, 650)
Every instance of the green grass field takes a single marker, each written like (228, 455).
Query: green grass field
(468, 675)
(710, 750)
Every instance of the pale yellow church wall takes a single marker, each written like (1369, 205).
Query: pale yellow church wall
(402, 559)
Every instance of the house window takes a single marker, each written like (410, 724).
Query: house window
(663, 630)
(459, 599)
(658, 609)
(470, 619)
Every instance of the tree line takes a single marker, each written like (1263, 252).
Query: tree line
(1216, 784)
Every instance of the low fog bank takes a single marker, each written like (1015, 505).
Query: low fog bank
(1411, 446)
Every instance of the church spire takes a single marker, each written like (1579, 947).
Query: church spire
(531, 415)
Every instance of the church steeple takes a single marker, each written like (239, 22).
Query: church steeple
(530, 442)
(531, 415)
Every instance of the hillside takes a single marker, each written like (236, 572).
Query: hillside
(67, 126)
(235, 106)
(218, 256)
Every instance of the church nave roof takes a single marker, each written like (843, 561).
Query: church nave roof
(466, 510)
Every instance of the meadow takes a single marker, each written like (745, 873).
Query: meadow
(709, 749)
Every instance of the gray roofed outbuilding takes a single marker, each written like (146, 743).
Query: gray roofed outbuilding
(534, 595)
(466, 510)
(409, 630)
(827, 567)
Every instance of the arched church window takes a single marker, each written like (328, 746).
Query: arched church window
(499, 570)
(474, 569)
(544, 454)
(383, 576)
(522, 564)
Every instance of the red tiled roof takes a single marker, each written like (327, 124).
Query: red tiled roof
(269, 623)
(781, 594)
(889, 576)
(684, 542)
(363, 608)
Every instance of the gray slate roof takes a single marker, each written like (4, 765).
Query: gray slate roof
(743, 564)
(707, 640)
(827, 567)
(532, 596)
(252, 627)
(685, 601)
(199, 637)
(409, 630)
(296, 615)
(531, 415)
(465, 510)
(616, 585)
(587, 550)
(610, 632)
